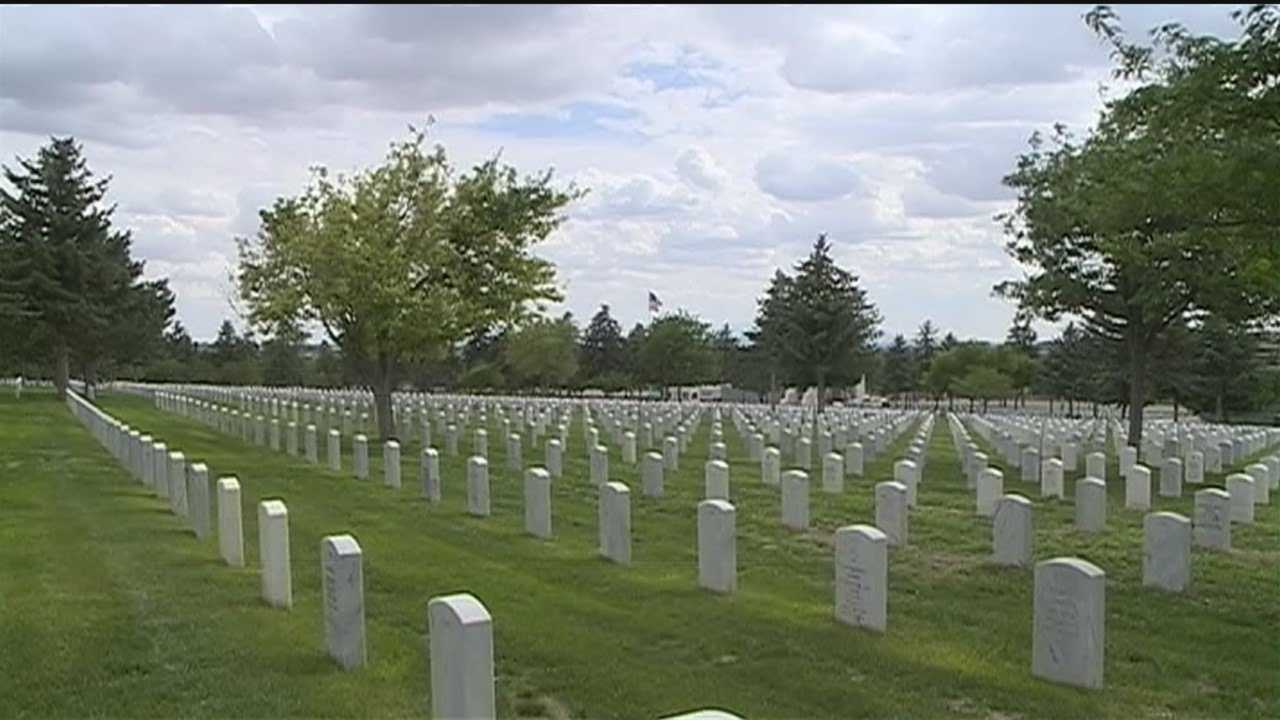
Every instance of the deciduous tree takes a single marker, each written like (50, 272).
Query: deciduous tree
(1167, 209)
(400, 262)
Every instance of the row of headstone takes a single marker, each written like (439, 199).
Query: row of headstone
(1070, 594)
(1167, 542)
(460, 628)
(186, 487)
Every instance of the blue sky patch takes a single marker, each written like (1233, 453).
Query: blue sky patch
(575, 120)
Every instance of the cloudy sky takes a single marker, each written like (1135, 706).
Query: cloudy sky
(716, 141)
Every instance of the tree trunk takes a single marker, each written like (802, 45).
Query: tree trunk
(61, 371)
(1137, 391)
(91, 380)
(1217, 407)
(1175, 406)
(383, 383)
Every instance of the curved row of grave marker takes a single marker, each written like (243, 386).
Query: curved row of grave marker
(1071, 655)
(458, 625)
(1069, 601)
(717, 556)
(861, 550)
(861, 592)
(460, 628)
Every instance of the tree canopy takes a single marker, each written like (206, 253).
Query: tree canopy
(1165, 210)
(603, 347)
(544, 353)
(69, 289)
(818, 323)
(400, 262)
(677, 350)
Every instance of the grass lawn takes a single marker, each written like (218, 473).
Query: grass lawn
(109, 605)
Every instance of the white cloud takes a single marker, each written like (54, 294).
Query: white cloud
(787, 176)
(696, 167)
(717, 142)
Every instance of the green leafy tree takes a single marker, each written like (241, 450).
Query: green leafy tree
(281, 356)
(948, 341)
(898, 374)
(633, 347)
(325, 369)
(69, 290)
(179, 359)
(603, 346)
(233, 358)
(818, 323)
(677, 350)
(982, 382)
(923, 349)
(400, 262)
(134, 336)
(1068, 366)
(1021, 335)
(1173, 366)
(543, 353)
(229, 347)
(1227, 365)
(1166, 209)
(752, 369)
(483, 376)
(1018, 366)
(950, 366)
(179, 345)
(727, 353)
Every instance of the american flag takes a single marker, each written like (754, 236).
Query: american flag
(654, 303)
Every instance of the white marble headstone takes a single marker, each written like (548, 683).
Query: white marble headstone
(1091, 505)
(1166, 551)
(892, 514)
(1137, 488)
(461, 642)
(990, 488)
(1011, 531)
(862, 576)
(651, 474)
(1240, 488)
(478, 486)
(230, 526)
(795, 499)
(537, 502)
(615, 522)
(1068, 631)
(391, 464)
(342, 579)
(1212, 519)
(717, 546)
(833, 473)
(429, 474)
(273, 551)
(360, 452)
(716, 480)
(771, 466)
(198, 505)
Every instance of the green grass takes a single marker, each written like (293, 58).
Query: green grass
(109, 606)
